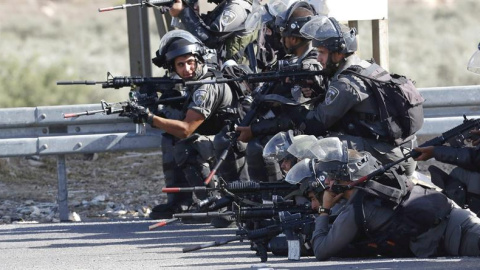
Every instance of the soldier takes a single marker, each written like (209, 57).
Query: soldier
(222, 29)
(348, 99)
(387, 213)
(301, 57)
(208, 109)
(269, 41)
(462, 184)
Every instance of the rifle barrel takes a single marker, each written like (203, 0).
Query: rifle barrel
(184, 189)
(118, 7)
(206, 214)
(71, 115)
(211, 244)
(78, 82)
(162, 223)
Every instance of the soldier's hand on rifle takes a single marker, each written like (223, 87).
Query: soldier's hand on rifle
(426, 153)
(245, 133)
(176, 8)
(476, 136)
(137, 113)
(307, 90)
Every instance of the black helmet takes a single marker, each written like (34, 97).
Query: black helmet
(177, 43)
(297, 15)
(328, 33)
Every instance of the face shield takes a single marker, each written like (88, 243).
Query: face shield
(474, 63)
(257, 17)
(308, 174)
(319, 28)
(301, 146)
(276, 147)
(330, 149)
(279, 8)
(300, 171)
(320, 6)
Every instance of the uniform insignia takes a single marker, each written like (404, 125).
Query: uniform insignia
(332, 93)
(227, 17)
(199, 97)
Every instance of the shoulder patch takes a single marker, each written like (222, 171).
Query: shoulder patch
(199, 97)
(228, 16)
(332, 93)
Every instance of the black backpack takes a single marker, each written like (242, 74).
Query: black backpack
(400, 103)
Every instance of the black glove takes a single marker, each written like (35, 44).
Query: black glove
(137, 113)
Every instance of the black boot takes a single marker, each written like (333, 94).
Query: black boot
(166, 210)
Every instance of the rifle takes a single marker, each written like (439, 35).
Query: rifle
(164, 83)
(291, 224)
(146, 3)
(149, 86)
(243, 214)
(456, 137)
(242, 192)
(168, 83)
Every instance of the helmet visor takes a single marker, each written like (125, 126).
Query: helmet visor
(255, 18)
(319, 28)
(301, 146)
(329, 149)
(474, 63)
(300, 171)
(279, 8)
(276, 147)
(320, 6)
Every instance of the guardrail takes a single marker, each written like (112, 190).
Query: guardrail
(44, 131)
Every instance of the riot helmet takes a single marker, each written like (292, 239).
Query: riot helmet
(297, 15)
(280, 146)
(301, 146)
(474, 62)
(342, 163)
(276, 147)
(328, 33)
(309, 176)
(180, 42)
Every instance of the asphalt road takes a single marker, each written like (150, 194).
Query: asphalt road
(131, 245)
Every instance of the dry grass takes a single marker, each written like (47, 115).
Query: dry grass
(44, 41)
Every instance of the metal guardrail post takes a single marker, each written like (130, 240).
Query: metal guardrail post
(62, 198)
(138, 41)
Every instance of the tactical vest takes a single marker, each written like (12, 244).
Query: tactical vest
(220, 117)
(400, 106)
(421, 209)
